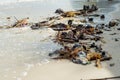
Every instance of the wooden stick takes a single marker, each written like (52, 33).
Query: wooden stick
(16, 18)
(106, 78)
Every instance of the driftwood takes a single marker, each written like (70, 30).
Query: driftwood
(105, 59)
(41, 24)
(71, 14)
(98, 63)
(59, 27)
(20, 23)
(61, 57)
(67, 40)
(106, 78)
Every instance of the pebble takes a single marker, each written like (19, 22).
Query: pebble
(112, 64)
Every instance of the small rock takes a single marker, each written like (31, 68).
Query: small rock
(59, 11)
(116, 39)
(70, 22)
(112, 64)
(118, 28)
(8, 18)
(90, 19)
(113, 34)
(102, 16)
(113, 23)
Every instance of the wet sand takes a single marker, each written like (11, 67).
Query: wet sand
(115, 14)
(36, 10)
(66, 70)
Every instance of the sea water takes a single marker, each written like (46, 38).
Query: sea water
(22, 48)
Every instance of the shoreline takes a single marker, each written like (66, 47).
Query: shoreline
(36, 10)
(115, 14)
(34, 6)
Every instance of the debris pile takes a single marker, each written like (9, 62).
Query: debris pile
(80, 41)
(80, 38)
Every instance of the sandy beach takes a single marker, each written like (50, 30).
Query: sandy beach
(66, 70)
(24, 52)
